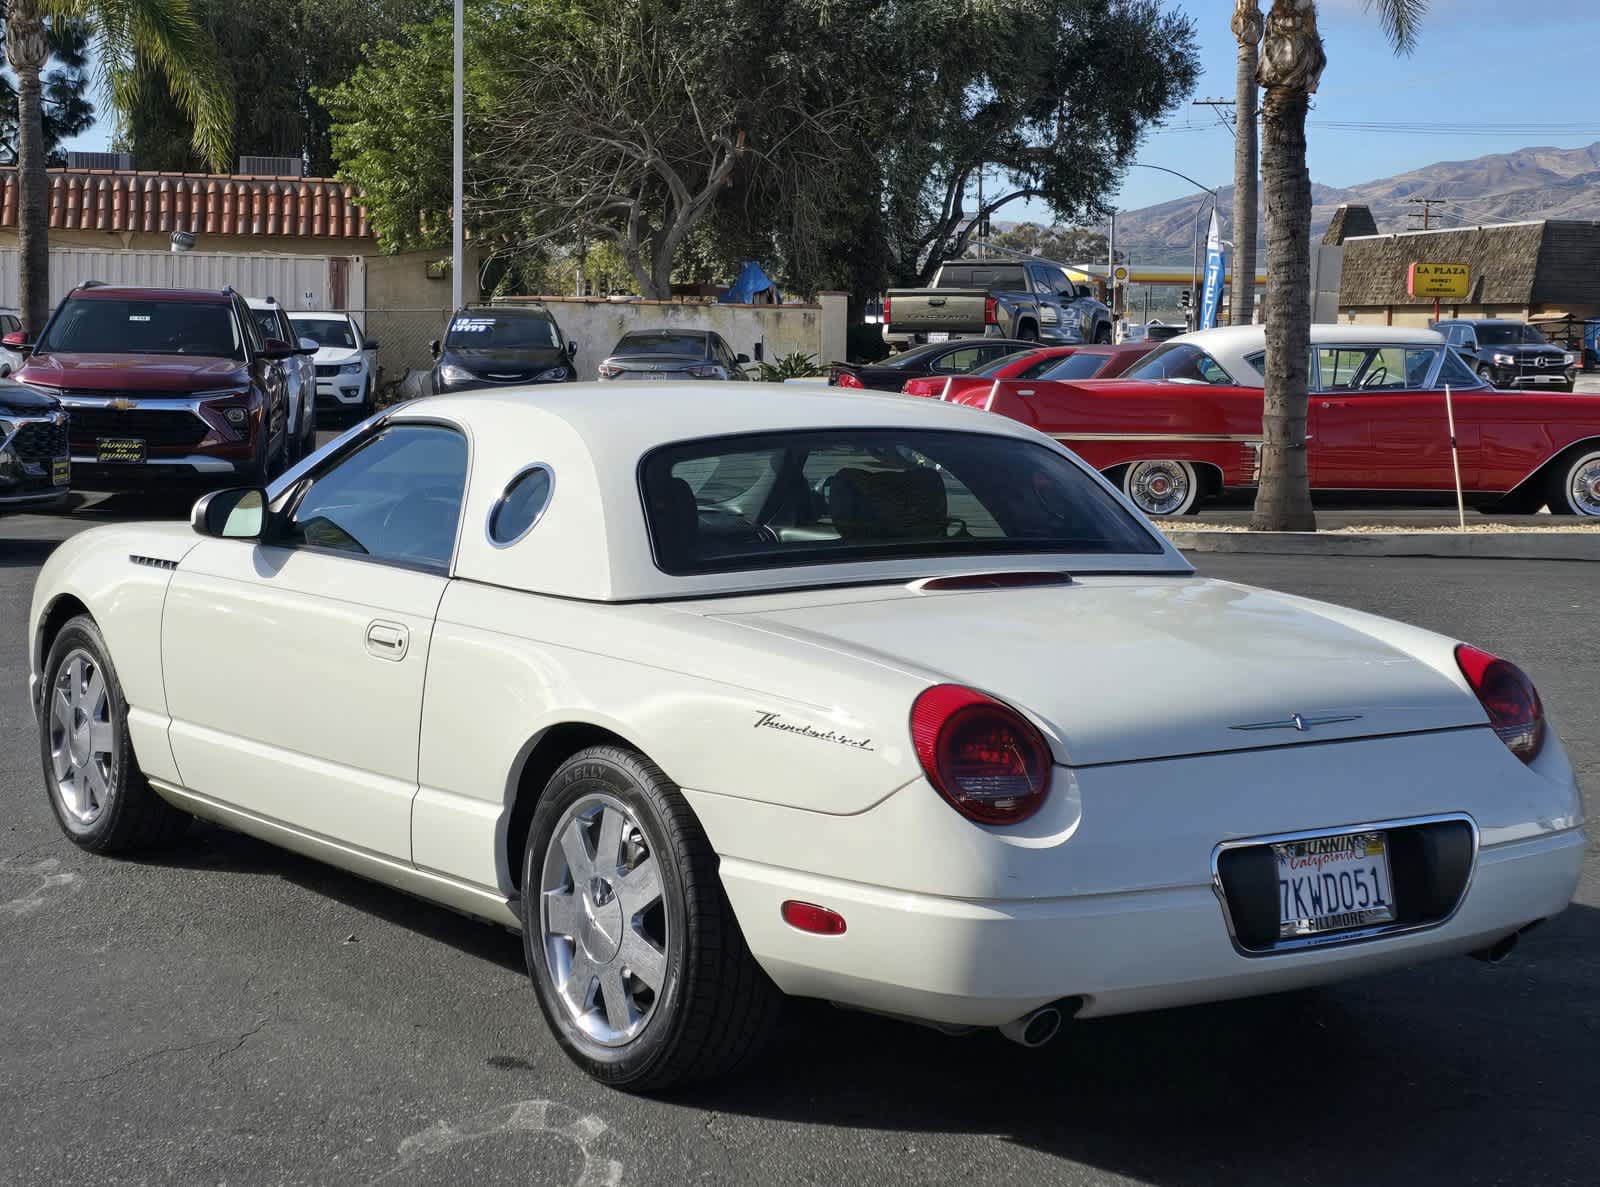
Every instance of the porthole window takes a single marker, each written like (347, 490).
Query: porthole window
(519, 508)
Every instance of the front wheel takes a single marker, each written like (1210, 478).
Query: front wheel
(636, 958)
(100, 798)
(1102, 336)
(1575, 486)
(1162, 487)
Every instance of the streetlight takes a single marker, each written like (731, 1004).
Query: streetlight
(1194, 273)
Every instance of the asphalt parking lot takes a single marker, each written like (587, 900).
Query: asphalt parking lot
(228, 1012)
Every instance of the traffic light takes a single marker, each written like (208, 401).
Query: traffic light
(1183, 299)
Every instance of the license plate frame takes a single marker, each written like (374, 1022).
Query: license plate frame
(61, 471)
(938, 336)
(1333, 884)
(120, 451)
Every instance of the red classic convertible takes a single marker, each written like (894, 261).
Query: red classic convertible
(1185, 423)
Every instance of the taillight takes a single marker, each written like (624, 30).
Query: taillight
(886, 311)
(707, 372)
(991, 312)
(1508, 697)
(847, 379)
(982, 756)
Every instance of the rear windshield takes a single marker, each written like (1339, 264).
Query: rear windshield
(476, 331)
(1179, 362)
(128, 326)
(691, 345)
(1076, 366)
(326, 331)
(837, 496)
(1006, 277)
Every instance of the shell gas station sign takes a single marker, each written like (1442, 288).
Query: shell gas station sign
(1437, 280)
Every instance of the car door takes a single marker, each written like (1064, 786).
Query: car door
(1377, 421)
(294, 665)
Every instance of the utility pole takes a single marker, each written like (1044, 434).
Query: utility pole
(1222, 109)
(458, 240)
(1426, 216)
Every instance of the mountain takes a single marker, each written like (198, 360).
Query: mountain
(1520, 186)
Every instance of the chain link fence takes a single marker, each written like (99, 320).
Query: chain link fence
(405, 337)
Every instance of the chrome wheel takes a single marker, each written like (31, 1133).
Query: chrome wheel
(603, 921)
(1161, 487)
(1583, 485)
(82, 737)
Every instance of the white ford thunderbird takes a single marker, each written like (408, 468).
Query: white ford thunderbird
(722, 695)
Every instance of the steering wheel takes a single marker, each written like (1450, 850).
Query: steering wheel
(1376, 377)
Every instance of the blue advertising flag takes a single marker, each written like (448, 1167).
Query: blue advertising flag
(1211, 294)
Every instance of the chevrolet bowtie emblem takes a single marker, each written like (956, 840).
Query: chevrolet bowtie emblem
(1298, 722)
(122, 403)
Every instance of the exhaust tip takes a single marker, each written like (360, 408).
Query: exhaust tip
(1497, 951)
(1035, 1029)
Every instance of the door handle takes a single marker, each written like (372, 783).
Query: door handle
(1024, 391)
(388, 640)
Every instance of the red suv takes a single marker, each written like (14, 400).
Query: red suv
(164, 383)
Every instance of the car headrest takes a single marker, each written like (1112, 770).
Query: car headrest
(677, 519)
(888, 504)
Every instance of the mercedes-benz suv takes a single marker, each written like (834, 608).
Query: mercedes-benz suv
(1510, 354)
(163, 384)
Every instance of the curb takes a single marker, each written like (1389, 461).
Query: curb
(1541, 546)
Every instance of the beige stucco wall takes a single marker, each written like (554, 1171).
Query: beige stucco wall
(595, 325)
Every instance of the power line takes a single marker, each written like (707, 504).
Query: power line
(1226, 118)
(1426, 215)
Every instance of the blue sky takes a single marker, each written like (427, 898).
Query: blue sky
(1479, 62)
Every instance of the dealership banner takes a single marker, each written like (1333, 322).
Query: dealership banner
(1211, 293)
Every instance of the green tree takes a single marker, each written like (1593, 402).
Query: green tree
(1292, 60)
(277, 57)
(66, 106)
(167, 36)
(1066, 245)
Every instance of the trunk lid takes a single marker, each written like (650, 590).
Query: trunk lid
(915, 311)
(1124, 669)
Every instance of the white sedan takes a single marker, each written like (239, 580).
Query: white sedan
(719, 695)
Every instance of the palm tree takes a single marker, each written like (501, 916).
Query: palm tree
(1291, 66)
(125, 34)
(1247, 31)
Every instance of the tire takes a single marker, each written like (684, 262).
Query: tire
(92, 778)
(1575, 484)
(1102, 336)
(1486, 374)
(712, 1006)
(1162, 487)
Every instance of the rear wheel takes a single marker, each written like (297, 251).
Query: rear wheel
(1102, 336)
(1028, 332)
(100, 798)
(1163, 487)
(636, 958)
(1575, 485)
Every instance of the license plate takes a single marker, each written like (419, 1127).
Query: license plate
(61, 471)
(1333, 884)
(119, 450)
(939, 337)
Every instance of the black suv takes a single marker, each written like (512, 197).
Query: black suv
(498, 346)
(1510, 354)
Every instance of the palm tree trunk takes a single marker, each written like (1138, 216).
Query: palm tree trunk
(1247, 30)
(1291, 66)
(27, 52)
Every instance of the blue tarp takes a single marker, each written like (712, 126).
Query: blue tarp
(751, 287)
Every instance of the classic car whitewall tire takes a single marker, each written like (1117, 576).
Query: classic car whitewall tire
(1576, 486)
(1162, 487)
(96, 790)
(637, 961)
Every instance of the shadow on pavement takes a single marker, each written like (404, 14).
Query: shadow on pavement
(1452, 1072)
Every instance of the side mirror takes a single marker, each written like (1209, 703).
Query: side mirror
(239, 513)
(572, 348)
(309, 346)
(370, 344)
(277, 348)
(760, 349)
(741, 358)
(433, 348)
(16, 340)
